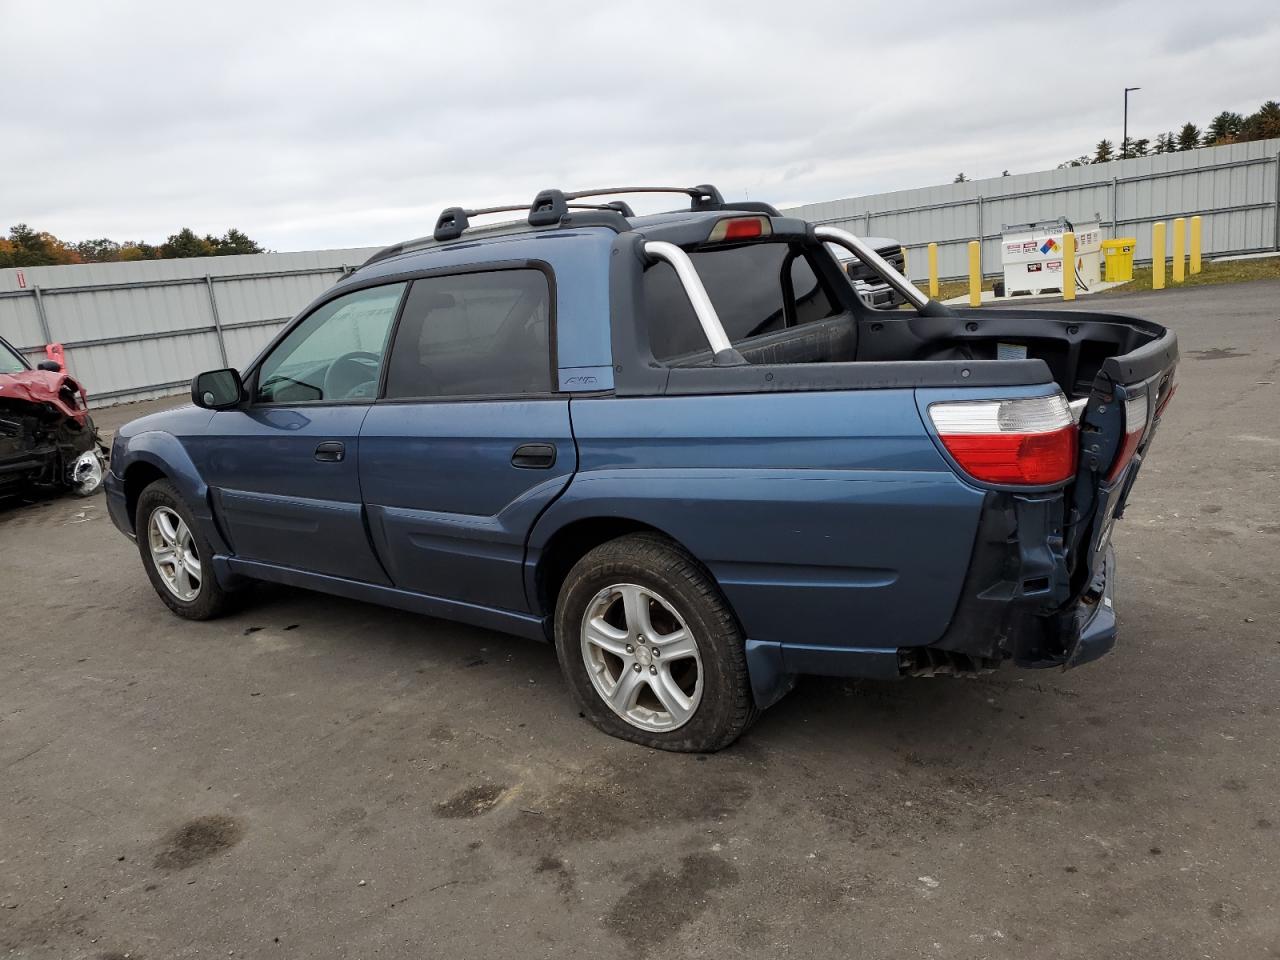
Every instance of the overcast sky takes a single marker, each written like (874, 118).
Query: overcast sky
(311, 126)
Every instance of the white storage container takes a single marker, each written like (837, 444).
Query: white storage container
(1033, 261)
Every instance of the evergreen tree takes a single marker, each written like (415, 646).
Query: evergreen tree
(1264, 124)
(185, 243)
(235, 242)
(1226, 127)
(1102, 152)
(1188, 136)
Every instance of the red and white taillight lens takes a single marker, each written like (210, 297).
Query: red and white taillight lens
(1135, 427)
(1025, 442)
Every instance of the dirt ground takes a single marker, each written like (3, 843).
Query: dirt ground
(318, 778)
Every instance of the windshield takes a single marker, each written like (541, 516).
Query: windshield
(10, 360)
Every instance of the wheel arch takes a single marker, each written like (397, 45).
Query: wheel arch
(156, 455)
(574, 540)
(137, 477)
(551, 556)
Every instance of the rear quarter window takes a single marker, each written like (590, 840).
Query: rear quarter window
(756, 289)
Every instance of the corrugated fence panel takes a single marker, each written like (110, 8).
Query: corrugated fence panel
(90, 314)
(275, 298)
(137, 330)
(119, 370)
(243, 343)
(1232, 188)
(20, 321)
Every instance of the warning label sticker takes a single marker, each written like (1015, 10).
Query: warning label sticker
(1053, 265)
(1035, 267)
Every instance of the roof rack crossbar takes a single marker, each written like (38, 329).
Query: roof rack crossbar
(617, 206)
(703, 197)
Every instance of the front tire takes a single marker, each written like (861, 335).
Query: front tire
(650, 648)
(176, 556)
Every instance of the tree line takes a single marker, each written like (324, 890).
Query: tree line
(1227, 127)
(26, 247)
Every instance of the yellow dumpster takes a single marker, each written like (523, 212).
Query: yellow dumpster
(1117, 258)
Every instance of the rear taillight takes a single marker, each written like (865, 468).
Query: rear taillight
(1024, 442)
(1135, 425)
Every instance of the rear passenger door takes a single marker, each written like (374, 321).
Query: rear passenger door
(470, 442)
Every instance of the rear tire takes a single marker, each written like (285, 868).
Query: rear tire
(650, 649)
(176, 555)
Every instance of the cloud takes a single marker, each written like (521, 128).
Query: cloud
(310, 126)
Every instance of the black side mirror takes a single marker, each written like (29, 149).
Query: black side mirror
(53, 366)
(217, 389)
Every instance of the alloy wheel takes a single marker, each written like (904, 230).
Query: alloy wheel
(642, 658)
(173, 551)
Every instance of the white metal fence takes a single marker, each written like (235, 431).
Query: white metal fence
(137, 330)
(1234, 189)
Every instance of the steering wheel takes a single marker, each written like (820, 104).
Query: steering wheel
(351, 375)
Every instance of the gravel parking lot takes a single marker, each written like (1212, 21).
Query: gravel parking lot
(319, 778)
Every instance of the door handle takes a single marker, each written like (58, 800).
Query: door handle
(534, 456)
(331, 451)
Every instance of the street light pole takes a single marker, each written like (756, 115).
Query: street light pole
(1124, 144)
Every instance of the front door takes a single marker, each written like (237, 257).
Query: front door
(284, 469)
(470, 443)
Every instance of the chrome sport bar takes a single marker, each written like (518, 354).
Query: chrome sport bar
(694, 290)
(876, 262)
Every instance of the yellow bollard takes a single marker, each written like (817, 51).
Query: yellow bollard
(1195, 245)
(975, 274)
(1068, 266)
(933, 271)
(1157, 256)
(905, 264)
(1179, 250)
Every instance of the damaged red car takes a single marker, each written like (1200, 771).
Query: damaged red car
(47, 437)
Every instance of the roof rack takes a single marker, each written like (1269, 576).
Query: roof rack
(549, 207)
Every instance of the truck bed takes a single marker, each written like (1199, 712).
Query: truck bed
(968, 348)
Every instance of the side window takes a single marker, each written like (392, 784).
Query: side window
(10, 360)
(335, 353)
(473, 334)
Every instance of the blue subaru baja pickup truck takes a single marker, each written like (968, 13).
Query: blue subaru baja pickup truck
(680, 447)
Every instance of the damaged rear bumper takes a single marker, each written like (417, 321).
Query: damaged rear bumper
(1094, 617)
(1016, 605)
(1019, 602)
